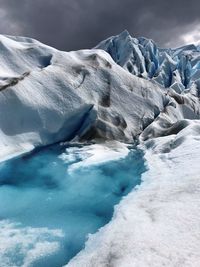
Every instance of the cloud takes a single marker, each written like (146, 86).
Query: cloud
(192, 35)
(76, 24)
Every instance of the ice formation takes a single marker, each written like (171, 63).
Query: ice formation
(176, 68)
(84, 95)
(60, 96)
(125, 89)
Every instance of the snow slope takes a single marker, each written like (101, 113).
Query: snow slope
(157, 225)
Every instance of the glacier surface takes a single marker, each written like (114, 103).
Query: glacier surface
(125, 89)
(157, 225)
(86, 95)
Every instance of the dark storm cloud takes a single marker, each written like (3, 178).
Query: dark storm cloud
(75, 24)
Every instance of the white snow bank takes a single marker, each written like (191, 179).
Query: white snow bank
(159, 224)
(9, 152)
(94, 154)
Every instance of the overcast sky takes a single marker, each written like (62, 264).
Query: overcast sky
(76, 24)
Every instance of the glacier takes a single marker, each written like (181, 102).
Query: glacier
(176, 68)
(86, 95)
(78, 96)
(98, 102)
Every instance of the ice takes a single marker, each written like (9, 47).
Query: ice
(142, 57)
(24, 246)
(81, 95)
(126, 90)
(47, 210)
(95, 154)
(85, 95)
(157, 225)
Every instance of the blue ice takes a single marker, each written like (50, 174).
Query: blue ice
(38, 191)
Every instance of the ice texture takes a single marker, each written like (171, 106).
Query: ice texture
(176, 68)
(157, 225)
(48, 96)
(79, 96)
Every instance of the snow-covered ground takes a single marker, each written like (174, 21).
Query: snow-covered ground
(157, 225)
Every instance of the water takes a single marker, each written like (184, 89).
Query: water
(47, 209)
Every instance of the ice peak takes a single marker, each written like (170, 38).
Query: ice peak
(143, 58)
(124, 34)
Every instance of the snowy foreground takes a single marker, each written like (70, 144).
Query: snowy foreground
(129, 90)
(157, 225)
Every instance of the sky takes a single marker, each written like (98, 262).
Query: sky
(77, 24)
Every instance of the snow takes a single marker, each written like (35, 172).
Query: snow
(157, 225)
(95, 154)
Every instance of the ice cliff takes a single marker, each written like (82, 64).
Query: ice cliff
(47, 96)
(176, 68)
